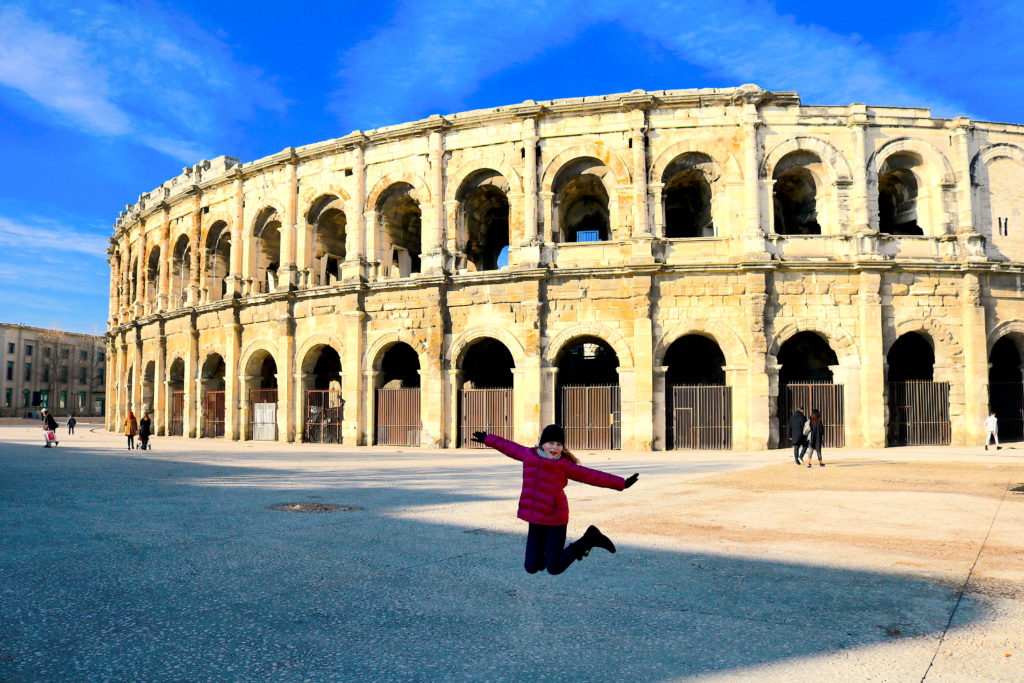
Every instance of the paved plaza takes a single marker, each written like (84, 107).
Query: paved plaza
(172, 565)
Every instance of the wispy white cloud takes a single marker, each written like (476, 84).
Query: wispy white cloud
(137, 71)
(435, 54)
(41, 237)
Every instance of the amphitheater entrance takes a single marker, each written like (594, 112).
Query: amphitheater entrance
(698, 404)
(211, 379)
(263, 398)
(324, 407)
(588, 399)
(1005, 389)
(397, 414)
(485, 401)
(176, 393)
(918, 406)
(806, 381)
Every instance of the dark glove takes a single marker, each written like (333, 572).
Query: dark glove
(479, 436)
(632, 479)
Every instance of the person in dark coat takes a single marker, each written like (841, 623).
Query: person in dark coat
(71, 424)
(547, 469)
(796, 434)
(816, 437)
(49, 425)
(145, 429)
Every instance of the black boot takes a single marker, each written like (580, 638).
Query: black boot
(593, 538)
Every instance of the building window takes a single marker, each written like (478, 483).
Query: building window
(28, 372)
(10, 348)
(10, 370)
(101, 356)
(63, 373)
(8, 397)
(64, 353)
(99, 376)
(83, 356)
(62, 400)
(28, 349)
(81, 400)
(44, 399)
(83, 375)
(46, 374)
(27, 395)
(46, 352)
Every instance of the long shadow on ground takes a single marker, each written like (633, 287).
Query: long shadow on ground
(145, 569)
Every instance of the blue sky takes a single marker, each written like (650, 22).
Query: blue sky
(100, 102)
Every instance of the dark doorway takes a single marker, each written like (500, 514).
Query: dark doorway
(1005, 389)
(806, 381)
(918, 406)
(485, 402)
(587, 399)
(398, 418)
(698, 405)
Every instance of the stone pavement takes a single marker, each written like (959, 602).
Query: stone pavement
(168, 565)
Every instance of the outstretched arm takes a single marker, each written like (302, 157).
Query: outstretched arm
(585, 475)
(509, 448)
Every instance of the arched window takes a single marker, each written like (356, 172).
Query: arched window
(795, 194)
(897, 196)
(330, 224)
(483, 219)
(181, 270)
(218, 260)
(400, 226)
(153, 274)
(581, 202)
(687, 196)
(267, 232)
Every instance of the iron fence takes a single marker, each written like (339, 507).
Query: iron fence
(701, 417)
(1007, 400)
(484, 410)
(918, 413)
(826, 397)
(177, 425)
(263, 414)
(398, 417)
(324, 414)
(591, 416)
(213, 414)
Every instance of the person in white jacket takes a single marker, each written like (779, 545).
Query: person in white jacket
(992, 431)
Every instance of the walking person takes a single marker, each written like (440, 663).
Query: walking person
(145, 430)
(49, 429)
(797, 422)
(815, 436)
(131, 428)
(992, 431)
(547, 468)
(71, 424)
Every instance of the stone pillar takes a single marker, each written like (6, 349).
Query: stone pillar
(975, 381)
(246, 384)
(195, 238)
(753, 223)
(189, 419)
(861, 221)
(286, 273)
(160, 386)
(163, 295)
(234, 278)
(548, 389)
(432, 260)
(547, 210)
(642, 396)
(136, 375)
(452, 436)
(871, 403)
(354, 267)
(659, 408)
(140, 274)
(233, 393)
(370, 404)
(303, 382)
(285, 374)
(654, 191)
(355, 388)
(754, 402)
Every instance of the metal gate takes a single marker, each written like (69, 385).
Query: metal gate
(828, 398)
(591, 417)
(918, 413)
(485, 410)
(324, 412)
(177, 426)
(398, 417)
(213, 414)
(701, 417)
(263, 414)
(1007, 400)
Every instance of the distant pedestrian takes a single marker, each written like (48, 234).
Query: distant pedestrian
(815, 436)
(992, 431)
(145, 429)
(131, 428)
(71, 424)
(797, 434)
(49, 429)
(547, 468)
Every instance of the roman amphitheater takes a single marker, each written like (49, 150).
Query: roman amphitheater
(654, 270)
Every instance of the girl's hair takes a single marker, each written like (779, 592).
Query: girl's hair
(567, 454)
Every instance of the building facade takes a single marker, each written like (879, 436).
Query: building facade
(62, 371)
(656, 270)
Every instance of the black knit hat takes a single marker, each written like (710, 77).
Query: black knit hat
(553, 433)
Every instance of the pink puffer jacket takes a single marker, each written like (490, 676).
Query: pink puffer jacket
(543, 498)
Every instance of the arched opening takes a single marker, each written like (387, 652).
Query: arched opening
(587, 398)
(129, 392)
(687, 197)
(398, 417)
(483, 219)
(133, 278)
(806, 383)
(330, 224)
(321, 378)
(181, 270)
(581, 202)
(400, 226)
(897, 196)
(148, 386)
(918, 406)
(795, 194)
(485, 402)
(218, 260)
(698, 404)
(267, 233)
(211, 379)
(1005, 389)
(176, 394)
(261, 379)
(153, 275)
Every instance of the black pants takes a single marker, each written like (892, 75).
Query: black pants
(131, 442)
(71, 429)
(546, 549)
(797, 443)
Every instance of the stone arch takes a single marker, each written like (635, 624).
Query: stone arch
(842, 343)
(311, 343)
(834, 162)
(254, 349)
(712, 169)
(1002, 150)
(310, 195)
(602, 332)
(948, 350)
(211, 219)
(598, 150)
(418, 184)
(1013, 327)
(733, 348)
(940, 171)
(374, 354)
(457, 179)
(457, 349)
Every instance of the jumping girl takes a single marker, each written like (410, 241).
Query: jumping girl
(546, 470)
